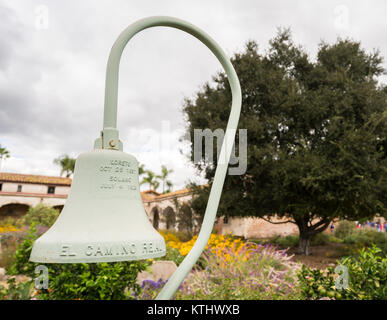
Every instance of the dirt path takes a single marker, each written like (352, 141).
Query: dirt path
(320, 257)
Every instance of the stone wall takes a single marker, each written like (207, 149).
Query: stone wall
(251, 228)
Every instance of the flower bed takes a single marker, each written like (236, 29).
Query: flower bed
(215, 242)
(231, 268)
(8, 228)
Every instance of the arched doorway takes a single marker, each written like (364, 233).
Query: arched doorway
(155, 217)
(185, 222)
(13, 210)
(59, 207)
(170, 218)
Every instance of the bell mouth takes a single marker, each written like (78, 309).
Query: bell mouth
(94, 252)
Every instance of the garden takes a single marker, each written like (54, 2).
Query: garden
(230, 268)
(312, 149)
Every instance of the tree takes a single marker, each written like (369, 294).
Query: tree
(169, 218)
(316, 134)
(170, 186)
(141, 170)
(151, 179)
(165, 172)
(185, 217)
(67, 165)
(4, 154)
(41, 215)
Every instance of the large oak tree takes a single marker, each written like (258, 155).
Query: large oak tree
(316, 134)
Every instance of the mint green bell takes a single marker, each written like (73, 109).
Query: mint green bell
(103, 219)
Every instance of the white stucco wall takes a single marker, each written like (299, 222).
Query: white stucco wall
(33, 188)
(62, 190)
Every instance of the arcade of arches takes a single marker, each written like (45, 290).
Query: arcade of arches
(162, 209)
(14, 210)
(19, 192)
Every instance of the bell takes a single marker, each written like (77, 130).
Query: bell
(103, 219)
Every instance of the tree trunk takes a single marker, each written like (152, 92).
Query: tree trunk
(307, 231)
(304, 244)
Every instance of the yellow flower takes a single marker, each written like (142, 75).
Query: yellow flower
(8, 228)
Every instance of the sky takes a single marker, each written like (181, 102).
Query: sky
(53, 57)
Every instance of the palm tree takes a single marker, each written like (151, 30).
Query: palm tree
(156, 184)
(151, 180)
(4, 154)
(67, 165)
(141, 170)
(169, 185)
(164, 175)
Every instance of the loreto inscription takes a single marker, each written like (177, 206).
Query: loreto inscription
(117, 175)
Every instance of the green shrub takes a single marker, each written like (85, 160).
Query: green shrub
(41, 215)
(9, 241)
(264, 273)
(289, 241)
(319, 239)
(81, 281)
(172, 254)
(322, 239)
(367, 278)
(367, 238)
(344, 229)
(11, 221)
(7, 254)
(16, 290)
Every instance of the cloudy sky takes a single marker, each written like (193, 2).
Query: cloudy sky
(53, 57)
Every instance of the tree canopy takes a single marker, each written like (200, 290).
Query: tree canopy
(316, 134)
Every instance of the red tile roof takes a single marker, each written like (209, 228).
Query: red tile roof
(151, 192)
(32, 178)
(148, 195)
(174, 193)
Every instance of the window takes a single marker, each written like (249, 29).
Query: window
(51, 189)
(19, 188)
(225, 220)
(1, 186)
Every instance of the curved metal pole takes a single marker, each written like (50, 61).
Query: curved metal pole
(110, 121)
